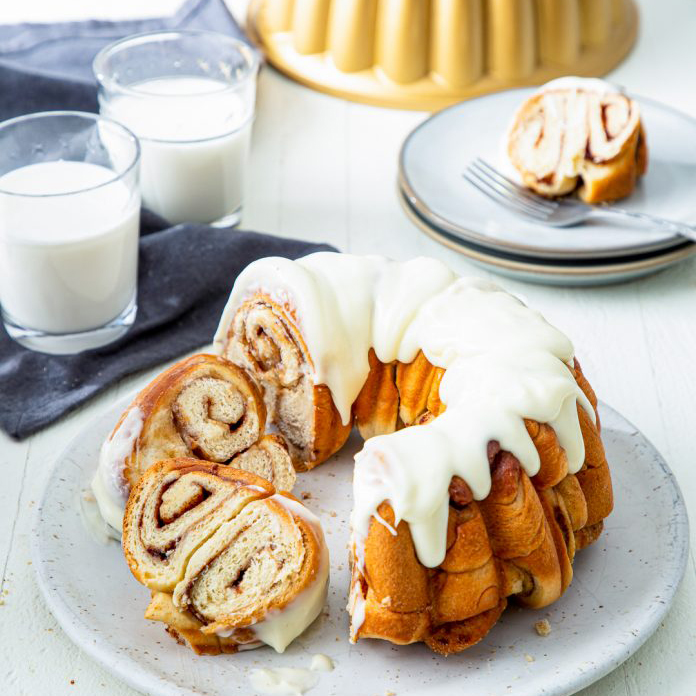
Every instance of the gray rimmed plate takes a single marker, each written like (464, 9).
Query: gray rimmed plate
(622, 589)
(434, 155)
(562, 272)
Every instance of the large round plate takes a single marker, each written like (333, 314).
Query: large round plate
(563, 272)
(437, 151)
(623, 587)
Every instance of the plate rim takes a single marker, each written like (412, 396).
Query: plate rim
(653, 263)
(131, 673)
(466, 234)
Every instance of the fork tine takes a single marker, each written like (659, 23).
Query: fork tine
(483, 176)
(521, 204)
(497, 197)
(509, 184)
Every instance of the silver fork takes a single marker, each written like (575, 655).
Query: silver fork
(556, 212)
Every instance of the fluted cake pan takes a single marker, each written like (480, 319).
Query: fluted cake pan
(427, 54)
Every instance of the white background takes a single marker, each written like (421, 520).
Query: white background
(324, 169)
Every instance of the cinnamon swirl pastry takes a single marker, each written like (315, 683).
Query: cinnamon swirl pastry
(483, 471)
(231, 563)
(265, 340)
(204, 407)
(579, 134)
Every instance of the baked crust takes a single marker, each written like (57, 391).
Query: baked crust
(205, 407)
(519, 542)
(597, 177)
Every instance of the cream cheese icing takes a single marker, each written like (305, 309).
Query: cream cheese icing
(356, 610)
(503, 363)
(289, 681)
(321, 663)
(282, 681)
(109, 485)
(585, 84)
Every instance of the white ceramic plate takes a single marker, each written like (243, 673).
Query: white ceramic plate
(623, 587)
(436, 152)
(563, 272)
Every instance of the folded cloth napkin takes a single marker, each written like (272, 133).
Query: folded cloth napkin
(186, 272)
(185, 276)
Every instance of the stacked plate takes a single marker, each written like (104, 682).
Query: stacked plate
(442, 204)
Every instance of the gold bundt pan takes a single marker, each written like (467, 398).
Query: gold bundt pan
(427, 54)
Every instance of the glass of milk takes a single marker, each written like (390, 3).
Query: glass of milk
(189, 97)
(69, 224)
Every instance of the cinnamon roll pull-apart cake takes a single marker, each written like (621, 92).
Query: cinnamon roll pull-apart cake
(203, 407)
(579, 134)
(231, 564)
(484, 471)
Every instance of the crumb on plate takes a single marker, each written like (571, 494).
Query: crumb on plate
(543, 627)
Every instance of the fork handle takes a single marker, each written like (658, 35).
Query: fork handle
(678, 227)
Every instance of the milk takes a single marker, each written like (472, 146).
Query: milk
(194, 134)
(68, 263)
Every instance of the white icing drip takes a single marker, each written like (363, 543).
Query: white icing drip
(109, 485)
(282, 681)
(238, 636)
(299, 510)
(92, 519)
(503, 363)
(321, 663)
(318, 289)
(281, 626)
(251, 645)
(585, 84)
(356, 609)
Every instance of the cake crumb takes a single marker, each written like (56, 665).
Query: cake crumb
(529, 658)
(332, 513)
(543, 627)
(390, 693)
(306, 495)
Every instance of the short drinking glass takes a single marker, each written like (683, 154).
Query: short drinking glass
(69, 223)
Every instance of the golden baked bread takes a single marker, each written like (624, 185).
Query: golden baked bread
(519, 541)
(579, 135)
(231, 563)
(203, 407)
(483, 470)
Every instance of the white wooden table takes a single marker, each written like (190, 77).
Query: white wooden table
(324, 169)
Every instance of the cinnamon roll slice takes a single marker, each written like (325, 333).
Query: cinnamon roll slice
(231, 563)
(263, 337)
(579, 134)
(270, 459)
(203, 407)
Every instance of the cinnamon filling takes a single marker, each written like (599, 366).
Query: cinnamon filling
(235, 584)
(460, 494)
(177, 498)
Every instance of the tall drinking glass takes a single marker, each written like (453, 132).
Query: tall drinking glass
(189, 97)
